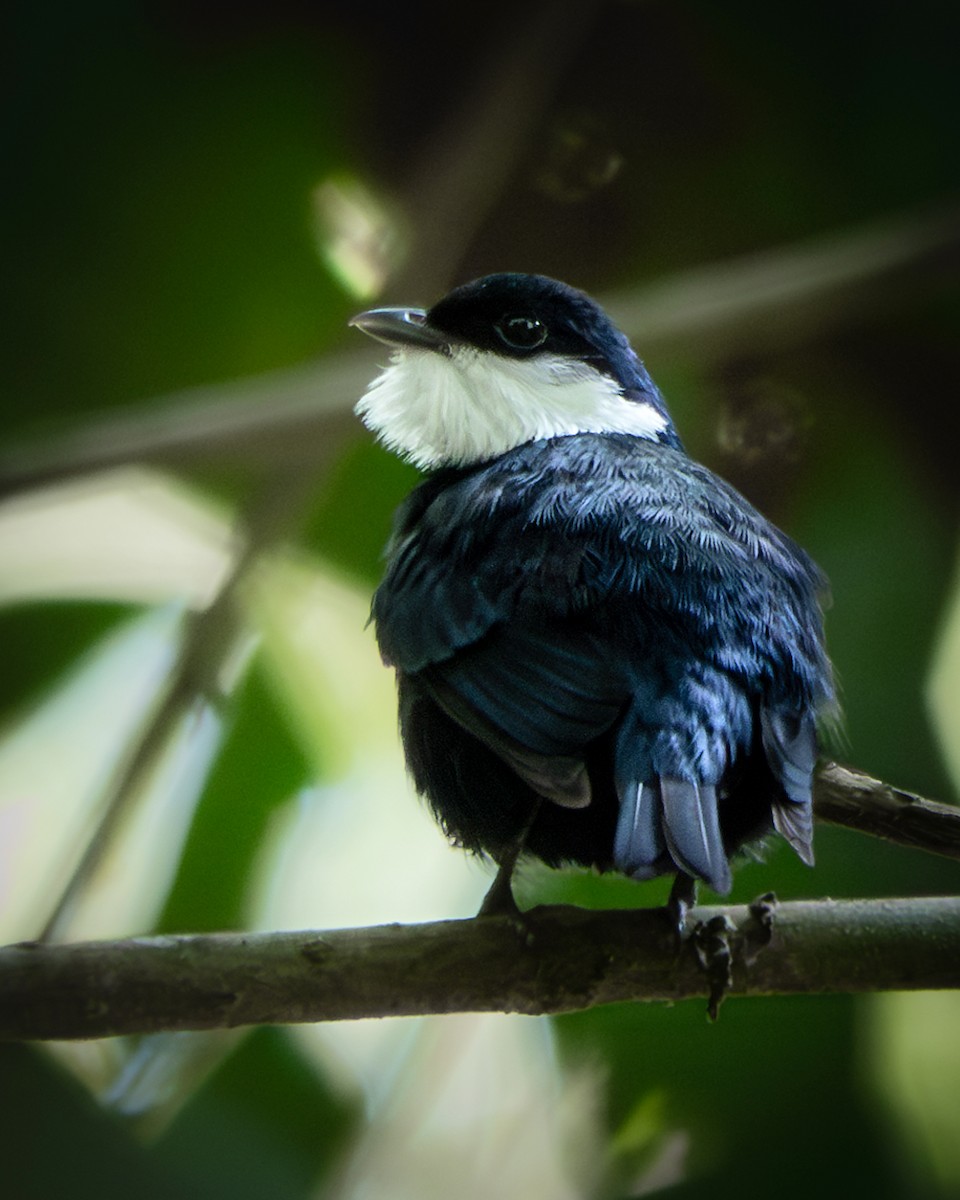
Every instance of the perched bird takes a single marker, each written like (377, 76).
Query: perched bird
(605, 655)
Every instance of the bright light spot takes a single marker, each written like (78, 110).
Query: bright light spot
(54, 765)
(358, 235)
(943, 687)
(914, 1057)
(478, 1099)
(130, 535)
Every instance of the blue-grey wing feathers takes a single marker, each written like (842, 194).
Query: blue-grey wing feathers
(561, 778)
(790, 744)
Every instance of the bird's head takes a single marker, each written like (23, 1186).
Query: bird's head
(502, 361)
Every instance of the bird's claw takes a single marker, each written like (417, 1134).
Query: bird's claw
(683, 896)
(500, 900)
(718, 943)
(712, 942)
(757, 931)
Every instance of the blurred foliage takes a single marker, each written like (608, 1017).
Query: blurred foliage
(265, 1124)
(259, 766)
(41, 640)
(771, 1134)
(161, 231)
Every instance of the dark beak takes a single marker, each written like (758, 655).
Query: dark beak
(401, 327)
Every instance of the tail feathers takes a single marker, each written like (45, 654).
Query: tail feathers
(671, 819)
(639, 841)
(794, 822)
(691, 826)
(790, 744)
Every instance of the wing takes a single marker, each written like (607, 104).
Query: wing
(494, 611)
(558, 528)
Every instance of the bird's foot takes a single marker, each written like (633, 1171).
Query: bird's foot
(500, 900)
(712, 944)
(757, 931)
(683, 896)
(718, 941)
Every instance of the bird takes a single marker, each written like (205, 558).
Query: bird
(605, 656)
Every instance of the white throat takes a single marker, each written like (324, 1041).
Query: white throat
(457, 409)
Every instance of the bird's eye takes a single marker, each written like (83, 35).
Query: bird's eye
(521, 333)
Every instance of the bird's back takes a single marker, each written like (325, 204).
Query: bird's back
(597, 624)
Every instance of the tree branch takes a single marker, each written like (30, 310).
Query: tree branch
(552, 960)
(847, 797)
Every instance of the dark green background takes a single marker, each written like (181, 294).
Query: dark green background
(159, 160)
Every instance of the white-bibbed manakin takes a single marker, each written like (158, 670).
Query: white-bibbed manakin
(605, 655)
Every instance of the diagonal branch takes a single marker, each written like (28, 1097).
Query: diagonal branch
(847, 797)
(786, 296)
(551, 960)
